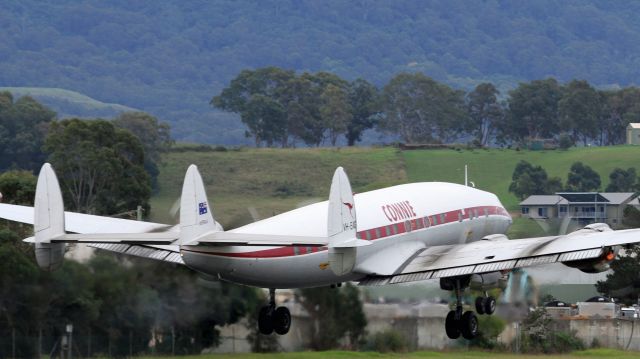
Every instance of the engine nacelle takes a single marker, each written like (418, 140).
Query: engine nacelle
(488, 281)
(595, 265)
(50, 255)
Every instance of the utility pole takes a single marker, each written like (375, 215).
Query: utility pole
(70, 340)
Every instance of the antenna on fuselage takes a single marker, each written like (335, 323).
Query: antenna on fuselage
(466, 176)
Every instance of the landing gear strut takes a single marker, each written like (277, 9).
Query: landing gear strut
(272, 319)
(458, 322)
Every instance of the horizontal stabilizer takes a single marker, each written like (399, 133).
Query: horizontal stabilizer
(130, 238)
(249, 239)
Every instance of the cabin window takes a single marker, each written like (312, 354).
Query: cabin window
(426, 222)
(407, 226)
(442, 218)
(368, 235)
(486, 212)
(435, 220)
(460, 216)
(296, 250)
(378, 232)
(395, 229)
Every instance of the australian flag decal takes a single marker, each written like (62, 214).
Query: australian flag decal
(202, 206)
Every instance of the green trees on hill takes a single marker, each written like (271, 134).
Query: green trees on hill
(529, 180)
(101, 167)
(23, 127)
(281, 108)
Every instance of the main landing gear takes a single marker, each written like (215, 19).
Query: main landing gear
(272, 319)
(465, 323)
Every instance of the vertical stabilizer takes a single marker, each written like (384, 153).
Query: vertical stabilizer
(48, 221)
(196, 217)
(342, 210)
(342, 225)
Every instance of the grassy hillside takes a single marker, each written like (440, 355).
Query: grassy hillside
(272, 181)
(491, 170)
(276, 180)
(69, 103)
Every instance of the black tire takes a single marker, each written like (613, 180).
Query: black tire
(281, 320)
(451, 325)
(480, 305)
(489, 305)
(265, 320)
(469, 325)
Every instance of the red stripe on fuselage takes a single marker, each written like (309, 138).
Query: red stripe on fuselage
(372, 234)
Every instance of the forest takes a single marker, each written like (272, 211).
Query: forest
(169, 58)
(282, 108)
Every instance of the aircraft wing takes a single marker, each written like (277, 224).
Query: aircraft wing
(143, 239)
(484, 256)
(84, 223)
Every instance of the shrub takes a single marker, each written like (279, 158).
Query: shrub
(388, 341)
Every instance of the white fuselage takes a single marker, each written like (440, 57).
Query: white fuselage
(398, 220)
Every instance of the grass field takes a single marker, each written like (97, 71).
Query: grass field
(594, 353)
(491, 170)
(271, 181)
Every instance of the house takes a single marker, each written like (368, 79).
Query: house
(633, 134)
(582, 207)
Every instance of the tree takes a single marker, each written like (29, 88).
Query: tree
(154, 135)
(257, 93)
(533, 110)
(580, 110)
(582, 178)
(620, 108)
(336, 313)
(364, 99)
(335, 111)
(419, 109)
(622, 181)
(528, 180)
(18, 187)
(100, 167)
(485, 112)
(23, 126)
(623, 282)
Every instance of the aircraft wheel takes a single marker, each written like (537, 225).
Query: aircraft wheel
(265, 320)
(489, 305)
(281, 320)
(469, 325)
(451, 325)
(481, 304)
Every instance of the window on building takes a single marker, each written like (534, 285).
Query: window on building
(542, 212)
(563, 209)
(525, 210)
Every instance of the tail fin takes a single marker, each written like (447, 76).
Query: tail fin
(196, 218)
(342, 226)
(48, 221)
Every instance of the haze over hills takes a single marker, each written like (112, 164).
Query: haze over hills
(169, 58)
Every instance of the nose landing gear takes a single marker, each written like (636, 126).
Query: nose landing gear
(485, 305)
(272, 319)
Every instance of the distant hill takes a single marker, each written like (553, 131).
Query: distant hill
(70, 103)
(169, 58)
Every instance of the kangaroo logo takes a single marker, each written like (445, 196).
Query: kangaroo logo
(350, 206)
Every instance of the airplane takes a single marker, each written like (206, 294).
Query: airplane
(405, 233)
